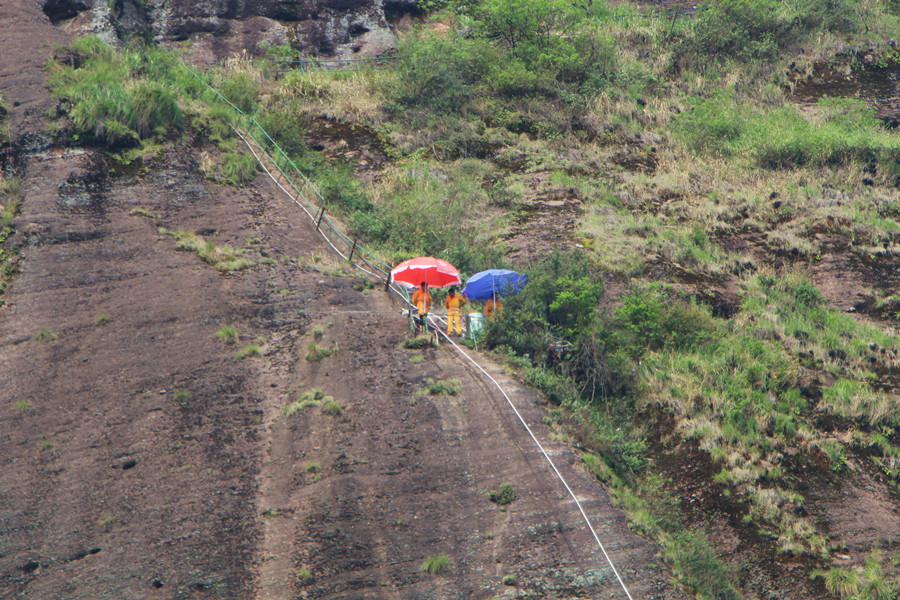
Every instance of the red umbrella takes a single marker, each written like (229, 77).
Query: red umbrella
(435, 272)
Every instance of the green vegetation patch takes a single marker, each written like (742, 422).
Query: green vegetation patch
(309, 398)
(444, 387)
(224, 258)
(316, 352)
(46, 334)
(502, 496)
(120, 98)
(418, 343)
(862, 582)
(436, 564)
(248, 350)
(228, 334)
(838, 132)
(11, 196)
(332, 407)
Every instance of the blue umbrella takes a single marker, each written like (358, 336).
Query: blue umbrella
(494, 282)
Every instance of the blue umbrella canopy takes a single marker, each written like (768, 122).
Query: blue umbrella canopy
(494, 282)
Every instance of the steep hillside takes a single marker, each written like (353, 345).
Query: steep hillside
(154, 444)
(705, 199)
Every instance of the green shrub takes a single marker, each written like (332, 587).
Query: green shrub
(224, 258)
(436, 71)
(155, 109)
(242, 91)
(309, 398)
(558, 388)
(741, 28)
(861, 582)
(503, 496)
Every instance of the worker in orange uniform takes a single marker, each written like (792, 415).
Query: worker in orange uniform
(422, 301)
(492, 307)
(454, 303)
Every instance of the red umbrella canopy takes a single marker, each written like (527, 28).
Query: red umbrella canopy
(435, 272)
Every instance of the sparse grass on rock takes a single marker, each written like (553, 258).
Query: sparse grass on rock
(436, 564)
(46, 334)
(315, 352)
(309, 398)
(224, 258)
(228, 334)
(248, 350)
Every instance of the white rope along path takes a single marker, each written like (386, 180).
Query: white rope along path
(438, 329)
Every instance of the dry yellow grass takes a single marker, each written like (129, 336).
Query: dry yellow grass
(347, 96)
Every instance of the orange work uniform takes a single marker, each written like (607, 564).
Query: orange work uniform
(422, 301)
(453, 304)
(493, 307)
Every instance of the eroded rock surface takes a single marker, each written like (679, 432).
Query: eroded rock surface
(216, 28)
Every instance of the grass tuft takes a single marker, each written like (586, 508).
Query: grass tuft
(228, 334)
(436, 564)
(145, 213)
(332, 407)
(309, 398)
(225, 258)
(45, 334)
(248, 350)
(444, 387)
(417, 343)
(316, 352)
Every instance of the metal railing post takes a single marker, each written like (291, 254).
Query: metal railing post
(319, 218)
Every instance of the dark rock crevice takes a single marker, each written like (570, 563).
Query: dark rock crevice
(62, 10)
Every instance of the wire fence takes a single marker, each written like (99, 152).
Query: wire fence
(293, 182)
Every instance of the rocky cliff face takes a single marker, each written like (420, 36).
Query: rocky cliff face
(214, 28)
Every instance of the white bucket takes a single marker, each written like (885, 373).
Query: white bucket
(475, 324)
